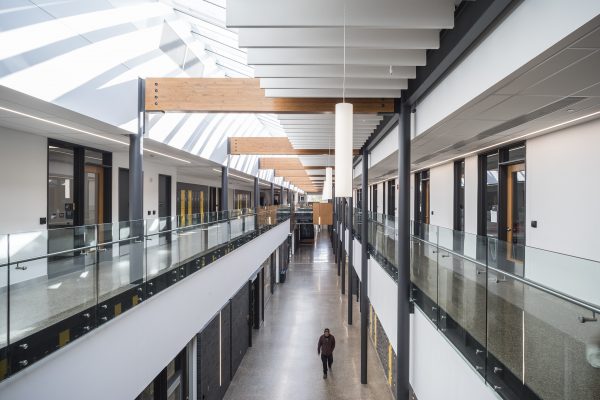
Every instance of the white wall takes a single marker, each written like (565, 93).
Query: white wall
(151, 332)
(432, 357)
(563, 193)
(385, 148)
(380, 198)
(502, 52)
(151, 172)
(23, 181)
(441, 196)
(23, 201)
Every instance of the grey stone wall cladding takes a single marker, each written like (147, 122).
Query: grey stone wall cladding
(382, 351)
(381, 344)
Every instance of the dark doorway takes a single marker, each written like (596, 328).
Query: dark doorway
(257, 299)
(422, 197)
(391, 197)
(374, 199)
(123, 194)
(164, 196)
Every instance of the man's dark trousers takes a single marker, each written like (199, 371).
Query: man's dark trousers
(327, 360)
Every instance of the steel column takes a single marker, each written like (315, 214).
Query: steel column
(350, 262)
(136, 189)
(403, 252)
(364, 271)
(224, 188)
(343, 248)
(272, 201)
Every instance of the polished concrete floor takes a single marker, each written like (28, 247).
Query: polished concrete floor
(283, 362)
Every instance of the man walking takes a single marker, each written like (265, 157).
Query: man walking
(325, 349)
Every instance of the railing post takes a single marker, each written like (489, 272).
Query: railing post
(350, 261)
(403, 252)
(343, 247)
(364, 240)
(136, 186)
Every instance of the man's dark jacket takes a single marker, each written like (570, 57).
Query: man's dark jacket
(326, 345)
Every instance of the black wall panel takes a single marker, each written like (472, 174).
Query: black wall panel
(240, 314)
(225, 349)
(208, 369)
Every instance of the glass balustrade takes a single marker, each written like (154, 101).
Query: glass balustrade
(56, 285)
(526, 319)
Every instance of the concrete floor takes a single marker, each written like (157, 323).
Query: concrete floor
(283, 362)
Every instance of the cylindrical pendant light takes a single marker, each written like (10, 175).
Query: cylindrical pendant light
(327, 185)
(343, 137)
(343, 149)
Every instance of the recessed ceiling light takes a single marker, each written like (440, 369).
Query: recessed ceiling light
(570, 110)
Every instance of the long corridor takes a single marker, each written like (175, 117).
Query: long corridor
(283, 362)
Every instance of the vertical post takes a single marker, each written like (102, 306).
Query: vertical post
(364, 271)
(403, 252)
(338, 242)
(343, 247)
(224, 187)
(136, 189)
(136, 161)
(256, 201)
(272, 194)
(350, 262)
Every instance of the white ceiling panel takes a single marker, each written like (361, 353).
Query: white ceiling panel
(335, 93)
(332, 83)
(576, 77)
(304, 55)
(547, 68)
(321, 117)
(330, 71)
(334, 37)
(405, 14)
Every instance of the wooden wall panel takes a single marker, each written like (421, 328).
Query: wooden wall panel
(325, 211)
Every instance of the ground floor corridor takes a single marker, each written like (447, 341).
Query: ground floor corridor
(283, 361)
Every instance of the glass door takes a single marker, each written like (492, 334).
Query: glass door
(515, 211)
(93, 200)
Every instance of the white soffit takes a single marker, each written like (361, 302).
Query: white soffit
(297, 49)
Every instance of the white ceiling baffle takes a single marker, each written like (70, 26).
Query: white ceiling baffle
(296, 47)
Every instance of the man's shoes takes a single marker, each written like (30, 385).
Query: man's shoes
(324, 376)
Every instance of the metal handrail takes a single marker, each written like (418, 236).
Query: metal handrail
(89, 247)
(573, 300)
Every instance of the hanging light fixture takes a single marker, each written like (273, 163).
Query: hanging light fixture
(328, 184)
(343, 137)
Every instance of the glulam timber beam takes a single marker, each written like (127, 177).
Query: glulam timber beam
(295, 172)
(271, 146)
(241, 95)
(287, 164)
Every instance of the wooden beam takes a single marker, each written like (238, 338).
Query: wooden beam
(295, 172)
(241, 95)
(272, 145)
(286, 164)
(279, 163)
